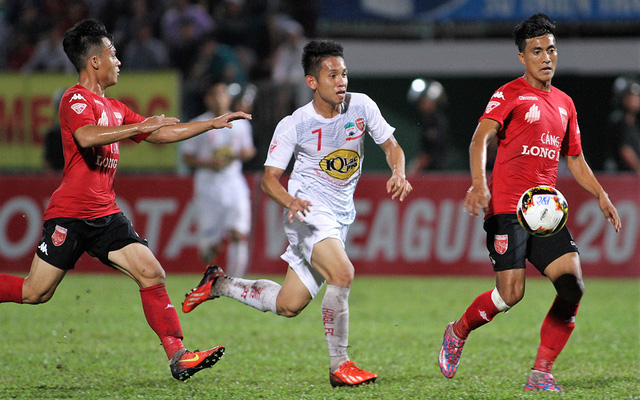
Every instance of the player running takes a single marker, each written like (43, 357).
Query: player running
(535, 123)
(326, 139)
(82, 215)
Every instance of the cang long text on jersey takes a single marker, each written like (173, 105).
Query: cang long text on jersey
(328, 152)
(536, 127)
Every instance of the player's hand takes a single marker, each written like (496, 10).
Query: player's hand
(297, 207)
(476, 199)
(224, 121)
(156, 122)
(610, 212)
(399, 186)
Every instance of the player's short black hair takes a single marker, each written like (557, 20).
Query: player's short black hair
(317, 50)
(82, 41)
(534, 26)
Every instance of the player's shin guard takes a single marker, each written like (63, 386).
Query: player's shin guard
(555, 332)
(11, 289)
(260, 294)
(335, 318)
(481, 311)
(162, 317)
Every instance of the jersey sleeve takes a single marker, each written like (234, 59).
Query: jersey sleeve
(572, 143)
(501, 104)
(282, 144)
(377, 127)
(76, 111)
(131, 117)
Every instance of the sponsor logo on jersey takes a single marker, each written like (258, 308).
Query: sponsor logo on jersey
(341, 164)
(492, 104)
(350, 128)
(59, 235)
(533, 115)
(527, 97)
(501, 243)
(77, 96)
(565, 117)
(99, 102)
(78, 107)
(498, 95)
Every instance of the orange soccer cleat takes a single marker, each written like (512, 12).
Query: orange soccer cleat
(349, 374)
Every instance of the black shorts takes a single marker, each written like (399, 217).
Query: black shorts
(65, 239)
(510, 245)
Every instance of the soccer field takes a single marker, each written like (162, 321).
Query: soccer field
(91, 341)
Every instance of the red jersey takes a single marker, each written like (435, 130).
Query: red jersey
(86, 190)
(536, 127)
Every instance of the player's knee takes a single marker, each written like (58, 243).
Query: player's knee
(570, 287)
(289, 312)
(36, 298)
(512, 295)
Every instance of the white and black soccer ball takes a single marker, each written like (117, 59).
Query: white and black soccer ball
(542, 211)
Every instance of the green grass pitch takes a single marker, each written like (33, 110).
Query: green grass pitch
(91, 341)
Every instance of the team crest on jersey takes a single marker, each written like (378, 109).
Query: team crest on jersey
(350, 128)
(341, 164)
(360, 124)
(501, 243)
(59, 235)
(565, 117)
(492, 104)
(118, 116)
(78, 107)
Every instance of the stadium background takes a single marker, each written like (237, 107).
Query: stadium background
(464, 44)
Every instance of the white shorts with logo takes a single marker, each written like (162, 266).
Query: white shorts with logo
(319, 224)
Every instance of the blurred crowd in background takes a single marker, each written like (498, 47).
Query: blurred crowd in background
(256, 45)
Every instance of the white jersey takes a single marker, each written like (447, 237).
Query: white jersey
(328, 152)
(224, 141)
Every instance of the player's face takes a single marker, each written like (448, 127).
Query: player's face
(109, 64)
(540, 58)
(331, 83)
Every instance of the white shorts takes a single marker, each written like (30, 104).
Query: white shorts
(319, 224)
(222, 209)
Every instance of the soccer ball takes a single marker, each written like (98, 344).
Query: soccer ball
(542, 211)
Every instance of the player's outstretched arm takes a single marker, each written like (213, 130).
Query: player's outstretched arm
(178, 132)
(583, 174)
(94, 135)
(397, 185)
(478, 195)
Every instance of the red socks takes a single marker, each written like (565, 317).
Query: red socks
(555, 332)
(480, 312)
(10, 289)
(162, 317)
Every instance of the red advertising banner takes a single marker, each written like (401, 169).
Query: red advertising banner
(427, 234)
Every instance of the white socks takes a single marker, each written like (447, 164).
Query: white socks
(335, 318)
(260, 294)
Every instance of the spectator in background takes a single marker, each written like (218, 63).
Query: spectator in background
(53, 155)
(145, 52)
(49, 55)
(221, 192)
(429, 99)
(287, 71)
(624, 126)
(173, 22)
